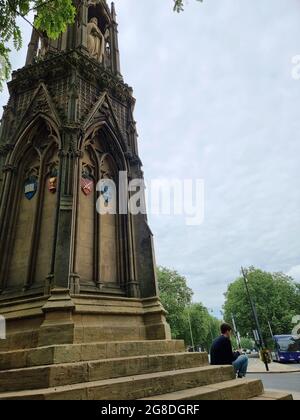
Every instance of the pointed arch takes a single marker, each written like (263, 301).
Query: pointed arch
(27, 133)
(101, 252)
(30, 221)
(110, 141)
(85, 251)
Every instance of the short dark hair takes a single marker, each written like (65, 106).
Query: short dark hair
(225, 328)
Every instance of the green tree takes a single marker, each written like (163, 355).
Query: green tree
(214, 331)
(205, 328)
(175, 296)
(52, 18)
(276, 297)
(246, 343)
(183, 315)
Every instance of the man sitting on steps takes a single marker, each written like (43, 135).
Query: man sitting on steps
(221, 353)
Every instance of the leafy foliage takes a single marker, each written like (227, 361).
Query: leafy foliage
(176, 297)
(52, 18)
(276, 297)
(246, 343)
(179, 5)
(200, 326)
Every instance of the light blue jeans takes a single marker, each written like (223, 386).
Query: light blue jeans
(240, 366)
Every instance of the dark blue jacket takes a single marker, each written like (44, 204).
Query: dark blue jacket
(221, 352)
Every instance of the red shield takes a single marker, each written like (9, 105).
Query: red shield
(87, 186)
(52, 185)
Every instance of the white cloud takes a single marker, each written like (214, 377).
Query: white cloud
(294, 272)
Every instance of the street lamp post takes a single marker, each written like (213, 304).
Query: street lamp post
(210, 325)
(236, 333)
(191, 330)
(270, 328)
(261, 340)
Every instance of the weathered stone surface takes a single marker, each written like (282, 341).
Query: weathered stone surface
(19, 340)
(72, 373)
(86, 352)
(273, 396)
(158, 370)
(80, 319)
(132, 387)
(229, 390)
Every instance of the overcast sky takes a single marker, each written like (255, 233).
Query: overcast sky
(216, 100)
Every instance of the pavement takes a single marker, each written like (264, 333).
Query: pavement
(288, 383)
(257, 366)
(281, 377)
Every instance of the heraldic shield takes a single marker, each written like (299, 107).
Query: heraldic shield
(52, 184)
(30, 187)
(87, 184)
(52, 180)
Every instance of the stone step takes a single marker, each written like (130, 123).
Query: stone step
(19, 340)
(237, 389)
(273, 396)
(73, 373)
(130, 387)
(71, 353)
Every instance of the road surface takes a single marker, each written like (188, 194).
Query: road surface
(280, 381)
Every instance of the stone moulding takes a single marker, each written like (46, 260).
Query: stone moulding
(63, 318)
(61, 64)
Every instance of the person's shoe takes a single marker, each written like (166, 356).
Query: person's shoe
(240, 376)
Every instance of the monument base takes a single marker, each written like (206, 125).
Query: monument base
(68, 319)
(76, 347)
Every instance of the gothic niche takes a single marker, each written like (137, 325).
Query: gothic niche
(98, 254)
(33, 221)
(43, 46)
(98, 34)
(109, 225)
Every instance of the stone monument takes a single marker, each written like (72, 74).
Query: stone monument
(68, 124)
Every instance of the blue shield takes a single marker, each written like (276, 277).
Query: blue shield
(30, 187)
(106, 193)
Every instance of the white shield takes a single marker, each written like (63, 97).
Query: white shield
(2, 328)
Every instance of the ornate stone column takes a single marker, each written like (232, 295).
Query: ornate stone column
(81, 36)
(115, 53)
(32, 47)
(66, 212)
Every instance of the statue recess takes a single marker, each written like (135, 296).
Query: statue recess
(96, 41)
